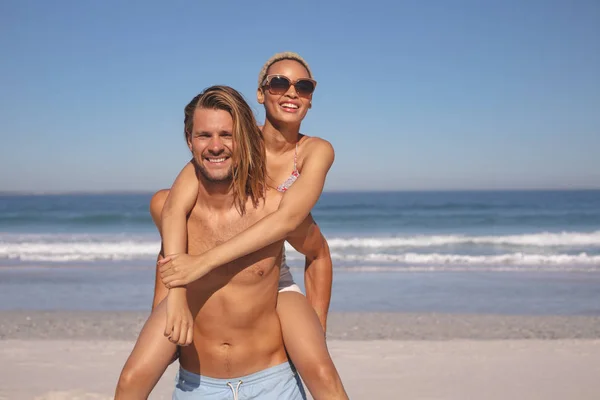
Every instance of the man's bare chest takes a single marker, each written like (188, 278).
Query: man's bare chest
(208, 230)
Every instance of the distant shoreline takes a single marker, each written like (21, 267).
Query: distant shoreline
(146, 192)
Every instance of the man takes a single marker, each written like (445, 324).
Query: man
(237, 349)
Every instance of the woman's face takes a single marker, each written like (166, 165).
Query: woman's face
(286, 106)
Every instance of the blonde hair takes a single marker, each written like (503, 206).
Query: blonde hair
(249, 156)
(287, 55)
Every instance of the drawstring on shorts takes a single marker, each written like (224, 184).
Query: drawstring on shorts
(236, 390)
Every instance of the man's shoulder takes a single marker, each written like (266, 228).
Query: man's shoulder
(158, 200)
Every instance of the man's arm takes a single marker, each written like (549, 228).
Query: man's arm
(318, 273)
(160, 290)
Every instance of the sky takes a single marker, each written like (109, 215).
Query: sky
(413, 95)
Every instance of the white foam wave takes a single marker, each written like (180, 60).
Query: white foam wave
(51, 248)
(462, 268)
(461, 259)
(436, 259)
(398, 251)
(545, 239)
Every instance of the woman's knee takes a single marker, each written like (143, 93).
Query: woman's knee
(323, 378)
(133, 376)
(128, 377)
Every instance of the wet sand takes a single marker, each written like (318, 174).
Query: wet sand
(125, 325)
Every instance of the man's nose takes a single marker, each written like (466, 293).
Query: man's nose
(216, 145)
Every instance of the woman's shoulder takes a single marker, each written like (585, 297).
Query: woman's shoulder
(315, 142)
(316, 148)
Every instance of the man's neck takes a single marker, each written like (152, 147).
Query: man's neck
(216, 196)
(279, 138)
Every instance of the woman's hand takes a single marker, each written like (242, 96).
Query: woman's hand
(180, 323)
(180, 269)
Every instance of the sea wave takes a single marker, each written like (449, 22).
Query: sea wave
(76, 219)
(77, 247)
(574, 248)
(68, 252)
(463, 259)
(544, 239)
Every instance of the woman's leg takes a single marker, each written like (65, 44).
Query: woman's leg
(304, 340)
(149, 359)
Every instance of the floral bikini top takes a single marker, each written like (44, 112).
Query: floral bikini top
(295, 174)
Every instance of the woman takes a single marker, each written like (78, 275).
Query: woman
(296, 165)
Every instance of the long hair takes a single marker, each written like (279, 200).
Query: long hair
(249, 156)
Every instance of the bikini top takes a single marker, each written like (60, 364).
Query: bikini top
(295, 174)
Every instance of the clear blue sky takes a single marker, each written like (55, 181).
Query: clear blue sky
(412, 94)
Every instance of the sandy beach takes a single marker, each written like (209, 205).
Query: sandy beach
(78, 355)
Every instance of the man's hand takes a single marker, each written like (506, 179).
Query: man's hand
(179, 270)
(180, 323)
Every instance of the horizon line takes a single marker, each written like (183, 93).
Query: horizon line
(90, 192)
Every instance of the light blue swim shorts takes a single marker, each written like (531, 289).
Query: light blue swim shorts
(280, 382)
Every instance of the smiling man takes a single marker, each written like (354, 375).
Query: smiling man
(238, 349)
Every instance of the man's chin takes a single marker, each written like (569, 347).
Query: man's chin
(223, 177)
(215, 175)
(219, 179)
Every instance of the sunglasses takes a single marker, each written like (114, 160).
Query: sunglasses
(279, 84)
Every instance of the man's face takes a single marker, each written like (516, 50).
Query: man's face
(211, 143)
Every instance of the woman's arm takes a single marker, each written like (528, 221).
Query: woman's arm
(178, 205)
(173, 227)
(295, 206)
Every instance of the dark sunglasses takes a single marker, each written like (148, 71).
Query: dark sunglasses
(279, 84)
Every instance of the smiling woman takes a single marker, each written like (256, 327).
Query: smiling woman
(275, 81)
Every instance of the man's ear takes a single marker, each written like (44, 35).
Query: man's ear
(189, 141)
(260, 96)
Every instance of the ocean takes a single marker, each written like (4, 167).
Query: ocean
(389, 244)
